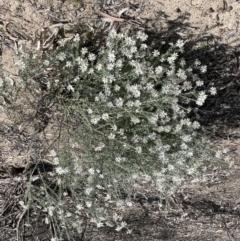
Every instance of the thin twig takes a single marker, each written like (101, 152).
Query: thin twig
(18, 223)
(230, 235)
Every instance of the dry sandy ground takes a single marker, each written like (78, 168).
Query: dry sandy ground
(212, 211)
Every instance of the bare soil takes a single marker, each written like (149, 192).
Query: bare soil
(210, 211)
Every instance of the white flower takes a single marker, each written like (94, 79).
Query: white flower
(129, 41)
(170, 167)
(170, 72)
(68, 64)
(105, 116)
(133, 49)
(172, 58)
(153, 119)
(111, 78)
(117, 88)
(139, 69)
(99, 147)
(114, 127)
(76, 79)
(149, 86)
(181, 74)
(190, 154)
(135, 120)
(203, 69)
(213, 90)
(195, 125)
(183, 62)
(118, 228)
(109, 44)
(110, 66)
(190, 171)
(118, 159)
(123, 224)
(165, 89)
(76, 38)
(162, 114)
(84, 50)
(99, 187)
(142, 36)
(99, 67)
(143, 46)
(61, 56)
(46, 220)
(91, 171)
(88, 191)
(95, 120)
(62, 42)
(119, 63)
(180, 43)
(201, 98)
(137, 103)
(121, 132)
(134, 89)
(159, 70)
(111, 136)
(88, 204)
(199, 83)
(119, 102)
(129, 204)
(60, 171)
(152, 136)
(99, 224)
(50, 210)
(91, 71)
(83, 67)
(112, 34)
(89, 111)
(186, 138)
(111, 56)
(197, 62)
(52, 153)
(23, 205)
(105, 80)
(110, 104)
(127, 53)
(178, 128)
(187, 85)
(46, 62)
(130, 103)
(55, 161)
(79, 60)
(70, 88)
(183, 146)
(218, 154)
(91, 57)
(156, 53)
(120, 35)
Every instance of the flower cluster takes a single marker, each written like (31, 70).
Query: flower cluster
(126, 107)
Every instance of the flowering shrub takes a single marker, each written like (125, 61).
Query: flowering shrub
(124, 111)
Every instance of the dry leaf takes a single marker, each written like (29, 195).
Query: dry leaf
(105, 15)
